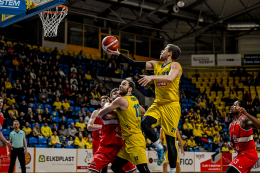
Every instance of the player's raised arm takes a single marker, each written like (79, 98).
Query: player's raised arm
(118, 103)
(91, 126)
(148, 65)
(174, 72)
(250, 121)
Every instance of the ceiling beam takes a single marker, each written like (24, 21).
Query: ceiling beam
(146, 15)
(195, 4)
(218, 21)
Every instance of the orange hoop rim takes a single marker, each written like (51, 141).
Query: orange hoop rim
(51, 12)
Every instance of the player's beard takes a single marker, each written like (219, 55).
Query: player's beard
(123, 92)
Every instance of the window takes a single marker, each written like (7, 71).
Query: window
(156, 47)
(91, 37)
(75, 34)
(127, 42)
(142, 46)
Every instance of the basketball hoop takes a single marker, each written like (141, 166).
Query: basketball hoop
(51, 20)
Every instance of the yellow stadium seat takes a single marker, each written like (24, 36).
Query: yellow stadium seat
(218, 80)
(65, 53)
(216, 103)
(207, 75)
(14, 43)
(220, 75)
(230, 83)
(198, 84)
(202, 89)
(251, 73)
(9, 43)
(204, 84)
(243, 79)
(52, 49)
(193, 80)
(223, 104)
(213, 93)
(46, 48)
(75, 53)
(246, 89)
(35, 47)
(237, 79)
(258, 115)
(253, 96)
(239, 93)
(230, 78)
(227, 89)
(201, 75)
(252, 88)
(255, 74)
(189, 75)
(213, 74)
(199, 79)
(206, 79)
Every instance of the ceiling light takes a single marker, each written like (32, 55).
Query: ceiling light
(180, 4)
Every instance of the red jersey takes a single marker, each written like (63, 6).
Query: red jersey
(111, 133)
(97, 134)
(1, 120)
(243, 138)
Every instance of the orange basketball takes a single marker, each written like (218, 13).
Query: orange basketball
(110, 42)
(27, 158)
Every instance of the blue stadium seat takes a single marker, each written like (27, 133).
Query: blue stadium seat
(42, 141)
(55, 119)
(70, 121)
(76, 120)
(77, 108)
(33, 140)
(5, 132)
(72, 108)
(47, 106)
(55, 114)
(191, 150)
(23, 97)
(86, 109)
(41, 146)
(91, 110)
(72, 102)
(197, 150)
(69, 146)
(58, 146)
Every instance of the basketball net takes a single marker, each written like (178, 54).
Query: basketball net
(51, 20)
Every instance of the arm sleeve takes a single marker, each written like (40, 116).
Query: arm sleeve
(140, 64)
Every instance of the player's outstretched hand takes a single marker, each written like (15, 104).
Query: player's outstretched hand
(242, 111)
(230, 146)
(144, 80)
(9, 145)
(182, 152)
(108, 51)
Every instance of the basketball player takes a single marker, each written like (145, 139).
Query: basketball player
(128, 111)
(95, 125)
(110, 143)
(165, 165)
(241, 137)
(8, 144)
(166, 109)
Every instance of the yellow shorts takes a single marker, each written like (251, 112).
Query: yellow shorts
(134, 149)
(168, 115)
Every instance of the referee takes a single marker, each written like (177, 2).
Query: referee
(17, 138)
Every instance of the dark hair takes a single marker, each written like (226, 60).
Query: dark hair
(131, 83)
(242, 104)
(104, 97)
(176, 51)
(113, 90)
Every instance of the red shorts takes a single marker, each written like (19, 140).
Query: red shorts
(104, 156)
(95, 146)
(245, 161)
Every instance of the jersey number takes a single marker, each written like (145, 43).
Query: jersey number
(137, 110)
(136, 158)
(167, 73)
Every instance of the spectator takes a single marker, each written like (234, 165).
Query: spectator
(29, 97)
(43, 96)
(215, 147)
(256, 136)
(80, 100)
(57, 104)
(81, 124)
(46, 116)
(197, 134)
(38, 117)
(63, 132)
(87, 117)
(225, 148)
(80, 142)
(46, 130)
(217, 138)
(66, 105)
(257, 144)
(89, 143)
(85, 102)
(17, 88)
(23, 107)
(72, 130)
(14, 111)
(191, 143)
(22, 120)
(30, 116)
(209, 133)
(9, 121)
(81, 113)
(36, 131)
(70, 142)
(55, 128)
(64, 142)
(54, 140)
(187, 128)
(27, 130)
(63, 122)
(88, 77)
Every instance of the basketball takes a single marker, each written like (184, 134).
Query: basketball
(110, 42)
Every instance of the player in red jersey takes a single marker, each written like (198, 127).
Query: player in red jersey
(111, 142)
(241, 135)
(95, 124)
(1, 125)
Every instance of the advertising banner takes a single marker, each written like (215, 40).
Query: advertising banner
(252, 59)
(55, 160)
(202, 60)
(208, 162)
(226, 160)
(187, 162)
(152, 162)
(29, 161)
(229, 59)
(5, 159)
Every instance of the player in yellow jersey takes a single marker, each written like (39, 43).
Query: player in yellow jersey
(128, 111)
(166, 109)
(163, 139)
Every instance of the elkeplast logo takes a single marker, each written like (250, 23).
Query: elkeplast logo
(9, 3)
(43, 158)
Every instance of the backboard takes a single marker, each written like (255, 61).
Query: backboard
(33, 7)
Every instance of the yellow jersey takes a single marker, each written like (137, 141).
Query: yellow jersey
(166, 92)
(130, 119)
